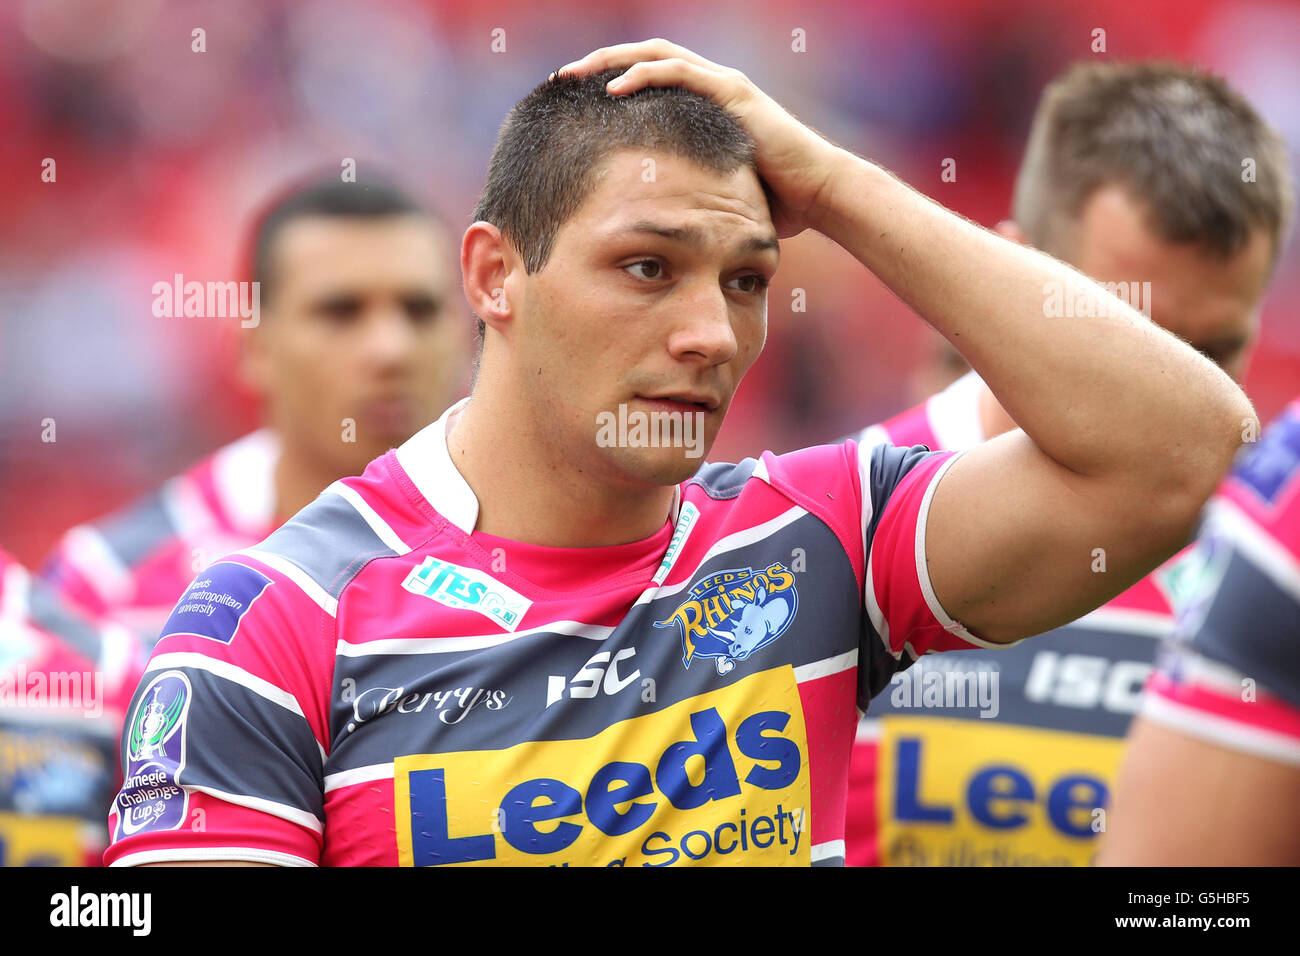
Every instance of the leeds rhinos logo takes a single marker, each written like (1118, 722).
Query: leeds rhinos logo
(730, 615)
(150, 798)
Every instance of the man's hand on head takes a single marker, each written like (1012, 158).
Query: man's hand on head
(794, 161)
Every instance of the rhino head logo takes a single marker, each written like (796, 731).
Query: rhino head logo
(758, 622)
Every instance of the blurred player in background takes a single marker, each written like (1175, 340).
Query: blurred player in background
(64, 686)
(358, 347)
(1211, 776)
(1132, 174)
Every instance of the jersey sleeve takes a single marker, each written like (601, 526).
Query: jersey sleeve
(226, 736)
(904, 615)
(1231, 673)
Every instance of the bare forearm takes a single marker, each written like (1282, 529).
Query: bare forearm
(1096, 394)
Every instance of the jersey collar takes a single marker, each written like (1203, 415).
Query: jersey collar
(427, 462)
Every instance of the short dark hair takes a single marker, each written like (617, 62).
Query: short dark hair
(1176, 138)
(553, 140)
(328, 197)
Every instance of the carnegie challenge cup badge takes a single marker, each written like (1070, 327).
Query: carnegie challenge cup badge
(731, 614)
(150, 798)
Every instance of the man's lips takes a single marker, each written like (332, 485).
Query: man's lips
(391, 415)
(683, 402)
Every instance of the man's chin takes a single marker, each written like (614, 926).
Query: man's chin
(657, 466)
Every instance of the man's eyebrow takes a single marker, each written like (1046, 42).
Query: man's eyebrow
(694, 237)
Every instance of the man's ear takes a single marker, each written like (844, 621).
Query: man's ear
(490, 269)
(1010, 229)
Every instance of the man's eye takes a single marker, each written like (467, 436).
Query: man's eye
(653, 269)
(751, 284)
(421, 309)
(339, 311)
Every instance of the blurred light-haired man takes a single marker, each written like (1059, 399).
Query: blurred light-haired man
(1135, 174)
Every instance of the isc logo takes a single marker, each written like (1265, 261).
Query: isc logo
(1086, 681)
(599, 675)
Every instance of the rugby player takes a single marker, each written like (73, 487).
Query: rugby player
(64, 685)
(1116, 154)
(520, 639)
(357, 348)
(1211, 774)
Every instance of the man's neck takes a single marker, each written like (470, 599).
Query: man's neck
(994, 419)
(531, 492)
(297, 482)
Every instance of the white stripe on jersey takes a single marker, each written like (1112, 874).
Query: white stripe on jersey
(1194, 668)
(295, 574)
(197, 854)
(116, 651)
(377, 524)
(13, 594)
(1222, 731)
(1263, 551)
(88, 552)
(731, 542)
(954, 414)
(448, 645)
(871, 436)
(185, 507)
(923, 569)
(869, 730)
(868, 509)
(236, 675)
(243, 475)
(348, 778)
(874, 612)
(826, 851)
(1153, 624)
(271, 807)
(826, 666)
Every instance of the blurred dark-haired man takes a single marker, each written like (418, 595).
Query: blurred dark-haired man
(1134, 175)
(359, 345)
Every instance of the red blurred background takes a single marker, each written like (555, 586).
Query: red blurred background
(162, 154)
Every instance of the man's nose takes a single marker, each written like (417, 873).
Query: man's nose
(388, 337)
(705, 331)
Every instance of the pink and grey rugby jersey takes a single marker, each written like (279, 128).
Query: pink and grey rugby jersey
(1231, 675)
(135, 563)
(377, 683)
(64, 684)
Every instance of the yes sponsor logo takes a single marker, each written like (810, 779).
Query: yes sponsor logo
(151, 798)
(468, 589)
(730, 615)
(720, 779)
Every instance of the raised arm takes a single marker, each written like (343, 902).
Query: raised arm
(1126, 430)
